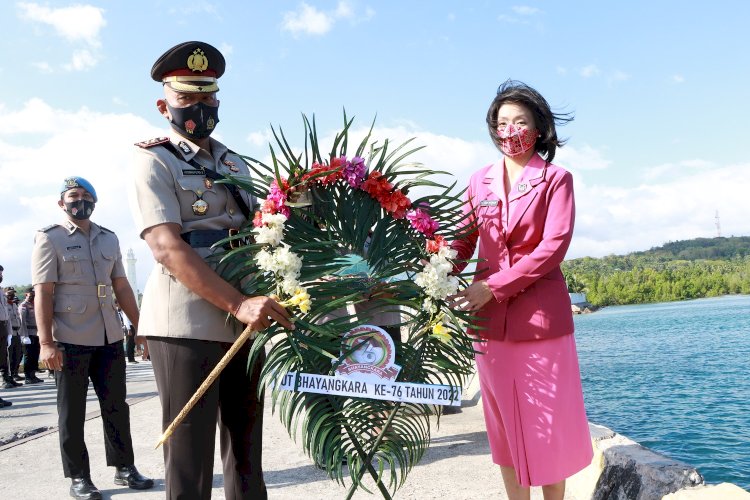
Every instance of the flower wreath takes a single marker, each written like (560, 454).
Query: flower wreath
(300, 251)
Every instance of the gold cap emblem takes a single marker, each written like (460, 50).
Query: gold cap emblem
(197, 61)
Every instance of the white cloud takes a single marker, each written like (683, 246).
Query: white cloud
(582, 158)
(78, 24)
(307, 20)
(43, 67)
(81, 60)
(678, 79)
(590, 70)
(616, 220)
(44, 145)
(525, 10)
(75, 23)
(618, 76)
(561, 70)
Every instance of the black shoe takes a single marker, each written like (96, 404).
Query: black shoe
(33, 380)
(130, 477)
(10, 384)
(83, 488)
(4, 403)
(133, 361)
(17, 377)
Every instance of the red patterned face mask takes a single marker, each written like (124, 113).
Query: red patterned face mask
(516, 141)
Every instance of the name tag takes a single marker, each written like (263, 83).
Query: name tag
(191, 171)
(76, 247)
(488, 203)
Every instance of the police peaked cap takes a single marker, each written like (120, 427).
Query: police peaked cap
(190, 67)
(75, 182)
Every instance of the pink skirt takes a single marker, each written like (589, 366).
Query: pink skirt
(533, 408)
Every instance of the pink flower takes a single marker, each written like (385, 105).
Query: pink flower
(422, 222)
(276, 199)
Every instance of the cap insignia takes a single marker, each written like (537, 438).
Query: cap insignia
(71, 182)
(197, 61)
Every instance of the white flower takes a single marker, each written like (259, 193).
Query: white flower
(435, 280)
(272, 230)
(264, 258)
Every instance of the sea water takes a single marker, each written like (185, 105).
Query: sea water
(674, 377)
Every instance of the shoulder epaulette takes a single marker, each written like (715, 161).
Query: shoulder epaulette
(45, 229)
(105, 229)
(152, 142)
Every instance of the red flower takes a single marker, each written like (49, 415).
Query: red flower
(434, 246)
(397, 204)
(323, 174)
(377, 186)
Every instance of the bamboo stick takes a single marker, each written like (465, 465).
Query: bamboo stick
(247, 333)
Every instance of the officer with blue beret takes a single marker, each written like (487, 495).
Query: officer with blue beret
(181, 212)
(77, 273)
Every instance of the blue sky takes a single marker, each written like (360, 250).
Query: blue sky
(659, 91)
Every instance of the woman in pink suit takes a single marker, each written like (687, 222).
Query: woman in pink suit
(523, 209)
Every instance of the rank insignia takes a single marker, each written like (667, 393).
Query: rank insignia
(208, 183)
(152, 142)
(232, 165)
(522, 187)
(184, 147)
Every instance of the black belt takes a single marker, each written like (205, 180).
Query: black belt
(203, 238)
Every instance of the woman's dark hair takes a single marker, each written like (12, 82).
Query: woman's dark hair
(513, 91)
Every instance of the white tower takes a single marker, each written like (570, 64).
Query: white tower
(131, 271)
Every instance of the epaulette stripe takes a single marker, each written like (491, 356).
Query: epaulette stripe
(45, 229)
(105, 229)
(152, 142)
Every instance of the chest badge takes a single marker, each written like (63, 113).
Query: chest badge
(522, 187)
(199, 206)
(208, 183)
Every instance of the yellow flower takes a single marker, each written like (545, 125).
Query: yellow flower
(440, 332)
(301, 299)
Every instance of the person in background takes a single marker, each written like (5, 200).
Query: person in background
(5, 331)
(15, 346)
(77, 273)
(522, 207)
(180, 211)
(28, 324)
(129, 339)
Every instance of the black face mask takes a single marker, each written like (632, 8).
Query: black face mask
(196, 121)
(80, 209)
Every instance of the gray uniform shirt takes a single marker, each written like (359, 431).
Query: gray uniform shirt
(166, 187)
(28, 320)
(14, 319)
(4, 323)
(82, 267)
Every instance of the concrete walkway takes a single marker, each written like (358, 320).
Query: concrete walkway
(457, 465)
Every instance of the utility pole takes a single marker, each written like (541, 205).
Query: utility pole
(718, 225)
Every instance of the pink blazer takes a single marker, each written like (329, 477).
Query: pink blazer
(521, 259)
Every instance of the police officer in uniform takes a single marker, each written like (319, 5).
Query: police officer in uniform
(5, 330)
(77, 273)
(187, 308)
(15, 346)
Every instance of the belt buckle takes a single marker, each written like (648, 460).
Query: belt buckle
(101, 291)
(236, 243)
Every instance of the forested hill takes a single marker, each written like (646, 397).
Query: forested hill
(679, 270)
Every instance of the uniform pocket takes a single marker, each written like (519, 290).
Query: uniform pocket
(73, 264)
(69, 304)
(193, 187)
